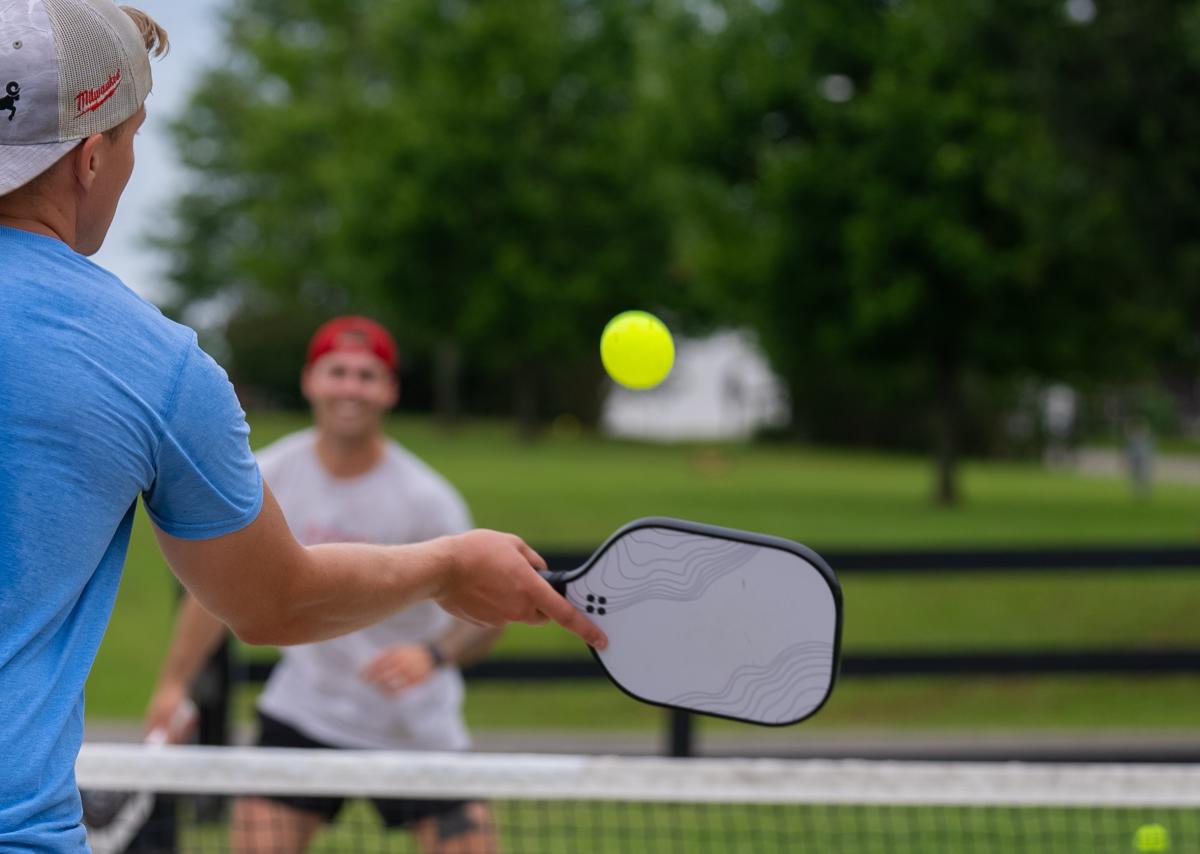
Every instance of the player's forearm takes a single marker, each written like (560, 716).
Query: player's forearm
(335, 589)
(271, 590)
(196, 637)
(464, 643)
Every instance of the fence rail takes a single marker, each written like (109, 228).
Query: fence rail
(223, 673)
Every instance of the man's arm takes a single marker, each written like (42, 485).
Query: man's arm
(400, 667)
(196, 637)
(269, 589)
(464, 644)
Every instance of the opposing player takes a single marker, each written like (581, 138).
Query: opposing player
(393, 685)
(103, 400)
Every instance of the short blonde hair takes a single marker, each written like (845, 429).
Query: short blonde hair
(153, 34)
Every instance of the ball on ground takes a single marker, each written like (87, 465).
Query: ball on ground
(637, 350)
(1152, 837)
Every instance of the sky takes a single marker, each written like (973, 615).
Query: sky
(193, 28)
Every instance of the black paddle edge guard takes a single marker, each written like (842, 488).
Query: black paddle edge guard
(560, 579)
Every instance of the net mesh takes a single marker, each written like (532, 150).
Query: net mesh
(223, 799)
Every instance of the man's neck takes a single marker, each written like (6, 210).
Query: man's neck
(31, 225)
(347, 459)
(43, 206)
(28, 209)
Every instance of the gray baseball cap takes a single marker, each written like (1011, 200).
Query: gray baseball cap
(68, 69)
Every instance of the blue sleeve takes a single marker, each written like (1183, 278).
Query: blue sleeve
(207, 482)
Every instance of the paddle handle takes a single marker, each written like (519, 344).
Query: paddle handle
(558, 580)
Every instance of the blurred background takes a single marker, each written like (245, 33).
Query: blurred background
(932, 267)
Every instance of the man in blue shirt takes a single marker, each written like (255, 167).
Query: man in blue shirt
(102, 399)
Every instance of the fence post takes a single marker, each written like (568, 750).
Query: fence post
(679, 733)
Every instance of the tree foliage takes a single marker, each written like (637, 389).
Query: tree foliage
(918, 204)
(461, 169)
(913, 228)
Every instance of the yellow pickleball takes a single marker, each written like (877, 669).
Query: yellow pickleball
(1152, 837)
(637, 350)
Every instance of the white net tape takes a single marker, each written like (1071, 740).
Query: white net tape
(228, 770)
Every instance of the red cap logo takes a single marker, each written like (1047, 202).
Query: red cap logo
(355, 334)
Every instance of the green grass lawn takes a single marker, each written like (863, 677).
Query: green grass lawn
(570, 493)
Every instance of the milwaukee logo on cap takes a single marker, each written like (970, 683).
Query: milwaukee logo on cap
(89, 100)
(68, 69)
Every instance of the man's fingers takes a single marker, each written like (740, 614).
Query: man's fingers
(381, 670)
(373, 674)
(563, 612)
(535, 560)
(379, 666)
(153, 723)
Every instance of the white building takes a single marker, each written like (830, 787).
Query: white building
(721, 388)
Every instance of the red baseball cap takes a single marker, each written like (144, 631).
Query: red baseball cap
(356, 334)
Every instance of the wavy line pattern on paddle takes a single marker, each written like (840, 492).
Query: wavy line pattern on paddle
(786, 688)
(660, 564)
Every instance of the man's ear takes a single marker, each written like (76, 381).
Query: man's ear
(86, 159)
(395, 391)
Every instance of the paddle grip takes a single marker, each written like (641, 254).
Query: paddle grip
(558, 580)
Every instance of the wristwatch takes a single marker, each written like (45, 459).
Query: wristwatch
(435, 653)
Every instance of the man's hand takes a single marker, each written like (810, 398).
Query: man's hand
(494, 579)
(399, 668)
(170, 714)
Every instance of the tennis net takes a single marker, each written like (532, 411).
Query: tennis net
(206, 801)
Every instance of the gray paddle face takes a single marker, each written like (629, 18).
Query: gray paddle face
(713, 620)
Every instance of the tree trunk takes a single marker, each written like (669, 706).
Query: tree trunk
(447, 373)
(947, 410)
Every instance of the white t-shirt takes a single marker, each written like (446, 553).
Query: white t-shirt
(317, 688)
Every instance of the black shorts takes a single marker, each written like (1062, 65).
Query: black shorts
(394, 812)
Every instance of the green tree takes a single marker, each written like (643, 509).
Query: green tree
(463, 169)
(1120, 95)
(885, 192)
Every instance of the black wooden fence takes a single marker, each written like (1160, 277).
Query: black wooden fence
(215, 688)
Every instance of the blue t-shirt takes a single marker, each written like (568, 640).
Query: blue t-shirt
(102, 399)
